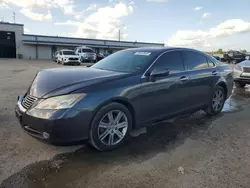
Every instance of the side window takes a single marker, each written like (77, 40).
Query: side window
(194, 60)
(171, 61)
(60, 52)
(210, 63)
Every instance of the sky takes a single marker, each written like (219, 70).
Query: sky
(201, 24)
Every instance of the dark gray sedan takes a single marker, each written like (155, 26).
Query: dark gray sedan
(126, 90)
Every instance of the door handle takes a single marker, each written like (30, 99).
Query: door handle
(184, 78)
(215, 72)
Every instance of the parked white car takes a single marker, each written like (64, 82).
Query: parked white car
(86, 54)
(68, 57)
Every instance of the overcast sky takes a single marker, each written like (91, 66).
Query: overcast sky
(201, 24)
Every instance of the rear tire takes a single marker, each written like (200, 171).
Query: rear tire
(101, 126)
(217, 101)
(240, 84)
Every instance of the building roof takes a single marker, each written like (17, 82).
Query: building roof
(7, 23)
(76, 44)
(61, 37)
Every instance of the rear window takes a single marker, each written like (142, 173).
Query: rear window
(194, 60)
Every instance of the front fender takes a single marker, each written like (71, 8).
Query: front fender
(226, 79)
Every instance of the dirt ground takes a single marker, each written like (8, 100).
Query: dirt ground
(192, 151)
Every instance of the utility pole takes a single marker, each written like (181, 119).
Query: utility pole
(119, 35)
(14, 17)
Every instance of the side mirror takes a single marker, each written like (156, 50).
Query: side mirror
(157, 72)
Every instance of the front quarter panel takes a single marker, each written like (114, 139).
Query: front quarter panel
(126, 89)
(226, 77)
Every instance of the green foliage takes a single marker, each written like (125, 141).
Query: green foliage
(243, 51)
(220, 51)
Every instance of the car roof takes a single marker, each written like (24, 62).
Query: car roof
(84, 47)
(160, 49)
(66, 50)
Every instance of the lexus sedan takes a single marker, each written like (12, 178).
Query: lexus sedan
(241, 74)
(126, 90)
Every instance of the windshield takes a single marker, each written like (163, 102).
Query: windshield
(126, 61)
(68, 53)
(86, 50)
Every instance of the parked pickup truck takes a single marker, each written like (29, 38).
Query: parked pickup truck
(234, 57)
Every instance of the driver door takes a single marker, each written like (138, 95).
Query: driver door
(161, 96)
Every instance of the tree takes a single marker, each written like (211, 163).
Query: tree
(243, 51)
(220, 51)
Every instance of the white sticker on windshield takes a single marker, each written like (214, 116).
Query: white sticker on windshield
(143, 53)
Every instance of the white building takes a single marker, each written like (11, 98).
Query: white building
(15, 44)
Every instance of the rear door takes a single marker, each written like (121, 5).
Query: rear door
(202, 75)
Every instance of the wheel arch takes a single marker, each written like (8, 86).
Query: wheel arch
(223, 85)
(125, 102)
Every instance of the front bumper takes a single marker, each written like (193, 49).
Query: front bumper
(72, 61)
(54, 126)
(91, 58)
(241, 76)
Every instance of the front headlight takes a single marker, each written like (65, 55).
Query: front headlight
(60, 102)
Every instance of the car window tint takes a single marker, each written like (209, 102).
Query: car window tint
(210, 63)
(194, 60)
(171, 61)
(86, 50)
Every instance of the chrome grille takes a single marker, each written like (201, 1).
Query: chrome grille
(28, 101)
(71, 58)
(246, 69)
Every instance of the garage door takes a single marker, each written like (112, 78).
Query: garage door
(7, 44)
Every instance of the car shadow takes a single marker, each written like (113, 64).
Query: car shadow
(148, 142)
(162, 137)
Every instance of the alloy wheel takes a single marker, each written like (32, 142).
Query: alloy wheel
(113, 127)
(218, 100)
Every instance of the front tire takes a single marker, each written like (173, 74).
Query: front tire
(240, 84)
(110, 127)
(217, 101)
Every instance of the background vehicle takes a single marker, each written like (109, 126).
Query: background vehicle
(234, 57)
(99, 56)
(68, 57)
(241, 74)
(55, 56)
(217, 57)
(86, 54)
(126, 90)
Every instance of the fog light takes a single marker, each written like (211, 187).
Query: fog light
(45, 135)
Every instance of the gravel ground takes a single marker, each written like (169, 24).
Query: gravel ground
(189, 151)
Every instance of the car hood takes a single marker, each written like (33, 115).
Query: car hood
(74, 56)
(245, 63)
(58, 81)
